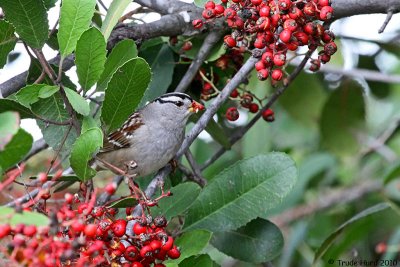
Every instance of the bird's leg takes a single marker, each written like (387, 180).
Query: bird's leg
(130, 165)
(174, 164)
(139, 195)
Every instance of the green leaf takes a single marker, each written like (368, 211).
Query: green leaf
(7, 41)
(76, 16)
(342, 118)
(258, 241)
(242, 192)
(115, 11)
(162, 64)
(191, 243)
(8, 104)
(79, 104)
(29, 18)
(392, 172)
(124, 203)
(332, 237)
(90, 56)
(183, 196)
(121, 53)
(88, 123)
(16, 149)
(10, 216)
(198, 261)
(8, 127)
(31, 93)
(82, 152)
(124, 92)
(49, 3)
(52, 108)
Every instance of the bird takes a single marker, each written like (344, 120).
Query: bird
(149, 138)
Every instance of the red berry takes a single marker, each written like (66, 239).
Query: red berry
(310, 28)
(197, 23)
(219, 9)
(259, 43)
(210, 5)
(174, 253)
(229, 41)
(247, 99)
(167, 245)
(290, 24)
(229, 13)
(326, 13)
(315, 65)
(30, 230)
(42, 177)
(208, 13)
(119, 227)
(277, 74)
(139, 229)
(285, 35)
(187, 46)
(259, 65)
(285, 4)
(111, 188)
(264, 11)
(256, 2)
(324, 58)
(69, 198)
(262, 74)
(131, 253)
(267, 57)
(279, 59)
(146, 251)
(309, 9)
(323, 3)
(301, 37)
(253, 108)
(295, 13)
(234, 93)
(155, 244)
(5, 230)
(268, 115)
(232, 114)
(330, 48)
(90, 230)
(137, 264)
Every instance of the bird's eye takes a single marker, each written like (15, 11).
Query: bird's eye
(179, 103)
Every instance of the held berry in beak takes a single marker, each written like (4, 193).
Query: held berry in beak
(195, 107)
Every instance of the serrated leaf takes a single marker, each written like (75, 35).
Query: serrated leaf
(7, 41)
(16, 149)
(115, 11)
(79, 104)
(52, 108)
(332, 237)
(10, 216)
(8, 104)
(83, 150)
(76, 16)
(198, 261)
(343, 116)
(121, 53)
(124, 203)
(29, 18)
(242, 192)
(183, 196)
(124, 92)
(90, 56)
(31, 93)
(162, 64)
(8, 127)
(191, 243)
(256, 242)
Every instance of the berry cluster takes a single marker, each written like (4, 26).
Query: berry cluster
(276, 27)
(82, 234)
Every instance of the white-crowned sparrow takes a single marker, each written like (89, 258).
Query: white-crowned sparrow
(149, 138)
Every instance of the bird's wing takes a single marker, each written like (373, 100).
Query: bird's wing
(121, 137)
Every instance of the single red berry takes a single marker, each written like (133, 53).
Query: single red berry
(267, 57)
(174, 253)
(197, 23)
(138, 228)
(235, 93)
(309, 9)
(146, 251)
(187, 46)
(90, 230)
(155, 244)
(167, 245)
(290, 24)
(219, 9)
(232, 114)
(30, 230)
(262, 74)
(310, 28)
(259, 43)
(277, 74)
(253, 108)
(256, 2)
(229, 13)
(324, 58)
(42, 177)
(295, 13)
(301, 37)
(119, 227)
(69, 198)
(315, 65)
(229, 41)
(276, 20)
(285, 4)
(5, 229)
(208, 13)
(330, 48)
(326, 13)
(264, 11)
(285, 35)
(131, 253)
(77, 226)
(247, 99)
(279, 59)
(323, 3)
(160, 221)
(210, 4)
(259, 65)
(268, 115)
(137, 264)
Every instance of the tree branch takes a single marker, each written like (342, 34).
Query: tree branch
(166, 6)
(346, 8)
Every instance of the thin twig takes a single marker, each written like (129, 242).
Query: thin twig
(208, 43)
(59, 148)
(387, 20)
(102, 5)
(197, 175)
(105, 197)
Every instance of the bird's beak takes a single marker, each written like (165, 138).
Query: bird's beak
(195, 107)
